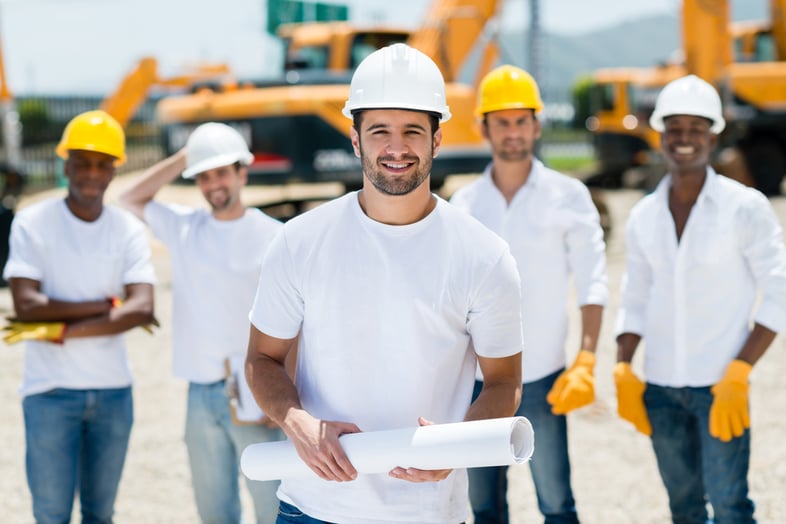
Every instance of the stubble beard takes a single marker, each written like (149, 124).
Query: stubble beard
(399, 185)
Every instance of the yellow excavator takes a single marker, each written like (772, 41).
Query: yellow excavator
(294, 124)
(747, 64)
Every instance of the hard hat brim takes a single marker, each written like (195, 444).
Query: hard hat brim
(217, 161)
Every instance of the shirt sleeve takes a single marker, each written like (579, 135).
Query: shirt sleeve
(763, 248)
(635, 288)
(165, 220)
(25, 256)
(587, 250)
(278, 305)
(494, 320)
(138, 266)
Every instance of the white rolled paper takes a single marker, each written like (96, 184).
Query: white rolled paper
(479, 443)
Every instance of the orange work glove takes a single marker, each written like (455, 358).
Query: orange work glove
(17, 331)
(729, 412)
(630, 397)
(575, 387)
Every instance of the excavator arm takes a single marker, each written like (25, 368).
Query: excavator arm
(450, 31)
(133, 89)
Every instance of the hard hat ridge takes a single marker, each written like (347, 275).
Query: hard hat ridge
(688, 95)
(398, 77)
(213, 145)
(508, 87)
(94, 131)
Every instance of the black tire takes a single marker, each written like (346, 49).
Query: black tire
(767, 165)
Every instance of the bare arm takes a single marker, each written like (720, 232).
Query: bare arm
(756, 345)
(83, 319)
(151, 181)
(315, 440)
(626, 346)
(591, 317)
(501, 393)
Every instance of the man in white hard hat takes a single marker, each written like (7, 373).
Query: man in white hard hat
(80, 276)
(554, 231)
(216, 257)
(398, 294)
(705, 255)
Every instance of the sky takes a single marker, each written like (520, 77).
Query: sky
(87, 46)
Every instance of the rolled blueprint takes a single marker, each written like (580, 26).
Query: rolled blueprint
(492, 442)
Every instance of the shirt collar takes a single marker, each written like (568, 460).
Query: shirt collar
(709, 191)
(535, 174)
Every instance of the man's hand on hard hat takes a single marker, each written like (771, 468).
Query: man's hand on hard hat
(575, 387)
(729, 416)
(317, 444)
(420, 475)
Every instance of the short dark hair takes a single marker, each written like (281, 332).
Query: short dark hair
(357, 120)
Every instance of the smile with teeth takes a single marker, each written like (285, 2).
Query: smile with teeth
(396, 166)
(684, 150)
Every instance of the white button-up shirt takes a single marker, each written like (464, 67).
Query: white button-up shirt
(553, 230)
(692, 300)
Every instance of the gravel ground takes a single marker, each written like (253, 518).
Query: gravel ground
(615, 477)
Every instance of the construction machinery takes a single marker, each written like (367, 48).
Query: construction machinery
(746, 62)
(294, 123)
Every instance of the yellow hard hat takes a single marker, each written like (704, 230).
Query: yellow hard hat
(94, 131)
(508, 87)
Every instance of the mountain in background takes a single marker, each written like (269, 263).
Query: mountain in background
(638, 43)
(641, 42)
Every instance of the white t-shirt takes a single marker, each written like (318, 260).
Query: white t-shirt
(215, 271)
(554, 233)
(389, 316)
(78, 261)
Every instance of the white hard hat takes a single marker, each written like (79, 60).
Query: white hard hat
(214, 145)
(398, 77)
(689, 95)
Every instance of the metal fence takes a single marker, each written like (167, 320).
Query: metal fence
(43, 119)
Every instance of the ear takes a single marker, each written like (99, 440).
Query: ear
(437, 141)
(355, 139)
(537, 127)
(242, 174)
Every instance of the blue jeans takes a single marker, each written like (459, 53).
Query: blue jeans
(697, 468)
(289, 514)
(550, 464)
(76, 443)
(214, 446)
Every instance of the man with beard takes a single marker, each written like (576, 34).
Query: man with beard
(554, 232)
(396, 294)
(216, 257)
(80, 276)
(705, 287)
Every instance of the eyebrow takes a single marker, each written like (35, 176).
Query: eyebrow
(383, 125)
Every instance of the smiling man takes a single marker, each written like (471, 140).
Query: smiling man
(554, 232)
(701, 250)
(71, 259)
(396, 294)
(216, 258)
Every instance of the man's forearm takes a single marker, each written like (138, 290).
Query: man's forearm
(495, 401)
(151, 181)
(591, 318)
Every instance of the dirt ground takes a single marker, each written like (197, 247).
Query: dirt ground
(614, 474)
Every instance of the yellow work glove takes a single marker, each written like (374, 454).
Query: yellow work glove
(630, 397)
(575, 387)
(729, 412)
(117, 302)
(17, 331)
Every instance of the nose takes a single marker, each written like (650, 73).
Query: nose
(397, 146)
